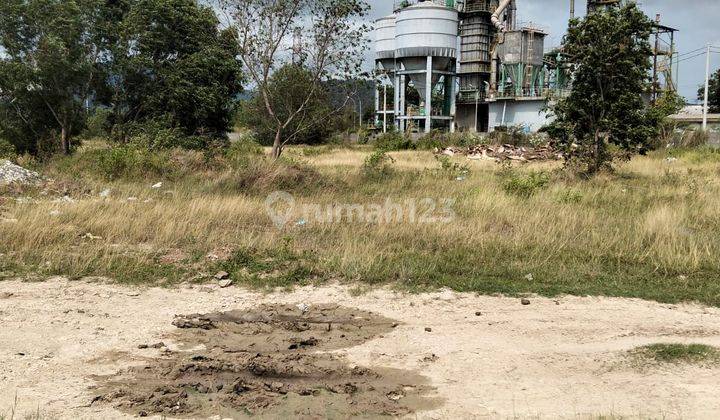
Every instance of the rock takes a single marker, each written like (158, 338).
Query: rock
(428, 329)
(105, 193)
(225, 283)
(55, 213)
(6, 295)
(132, 199)
(478, 313)
(157, 186)
(14, 174)
(525, 301)
(529, 277)
(304, 307)
(222, 275)
(143, 414)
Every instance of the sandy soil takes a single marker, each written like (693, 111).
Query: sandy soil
(554, 358)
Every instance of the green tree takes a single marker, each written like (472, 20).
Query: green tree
(172, 64)
(48, 65)
(713, 93)
(288, 87)
(610, 50)
(327, 40)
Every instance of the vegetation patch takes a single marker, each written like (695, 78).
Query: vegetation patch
(677, 353)
(279, 267)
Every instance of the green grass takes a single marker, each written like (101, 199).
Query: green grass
(678, 353)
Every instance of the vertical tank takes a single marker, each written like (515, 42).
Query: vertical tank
(426, 30)
(385, 42)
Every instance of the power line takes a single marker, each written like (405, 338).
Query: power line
(690, 58)
(692, 52)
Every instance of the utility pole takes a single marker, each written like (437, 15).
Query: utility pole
(707, 88)
(572, 9)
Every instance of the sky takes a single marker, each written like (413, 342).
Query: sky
(698, 22)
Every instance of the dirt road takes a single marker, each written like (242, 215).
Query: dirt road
(472, 356)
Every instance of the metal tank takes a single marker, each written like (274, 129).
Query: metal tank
(426, 39)
(385, 43)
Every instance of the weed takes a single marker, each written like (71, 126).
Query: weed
(678, 353)
(451, 170)
(277, 267)
(569, 196)
(526, 185)
(377, 164)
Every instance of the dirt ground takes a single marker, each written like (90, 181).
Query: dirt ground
(92, 350)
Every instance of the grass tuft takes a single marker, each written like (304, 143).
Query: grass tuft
(678, 353)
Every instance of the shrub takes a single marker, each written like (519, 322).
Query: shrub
(7, 150)
(242, 149)
(129, 161)
(377, 164)
(262, 175)
(525, 186)
(98, 124)
(450, 169)
(440, 140)
(569, 196)
(393, 141)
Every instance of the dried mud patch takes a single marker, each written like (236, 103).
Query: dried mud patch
(269, 362)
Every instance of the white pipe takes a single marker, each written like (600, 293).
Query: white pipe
(495, 18)
(502, 27)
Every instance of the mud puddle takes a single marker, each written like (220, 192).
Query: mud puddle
(274, 361)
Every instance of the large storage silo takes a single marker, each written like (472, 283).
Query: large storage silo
(385, 43)
(426, 38)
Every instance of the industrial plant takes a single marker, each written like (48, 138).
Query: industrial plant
(471, 66)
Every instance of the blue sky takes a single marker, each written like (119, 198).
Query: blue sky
(697, 20)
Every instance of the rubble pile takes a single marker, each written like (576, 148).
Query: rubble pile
(505, 152)
(14, 174)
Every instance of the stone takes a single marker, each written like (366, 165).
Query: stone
(525, 301)
(225, 283)
(14, 174)
(222, 275)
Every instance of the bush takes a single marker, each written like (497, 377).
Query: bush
(377, 164)
(450, 169)
(393, 141)
(7, 150)
(129, 161)
(440, 140)
(525, 186)
(243, 149)
(98, 124)
(262, 175)
(569, 196)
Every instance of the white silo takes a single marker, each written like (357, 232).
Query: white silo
(426, 37)
(385, 43)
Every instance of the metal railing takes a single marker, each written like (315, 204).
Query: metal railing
(401, 4)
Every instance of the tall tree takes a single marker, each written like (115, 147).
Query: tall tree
(325, 38)
(171, 62)
(611, 53)
(713, 93)
(48, 66)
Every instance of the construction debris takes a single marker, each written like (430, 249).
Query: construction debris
(14, 174)
(505, 152)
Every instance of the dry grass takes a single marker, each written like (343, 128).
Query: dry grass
(651, 231)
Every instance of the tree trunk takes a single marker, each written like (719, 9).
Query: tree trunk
(65, 140)
(277, 144)
(598, 152)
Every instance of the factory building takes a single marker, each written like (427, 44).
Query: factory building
(469, 66)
